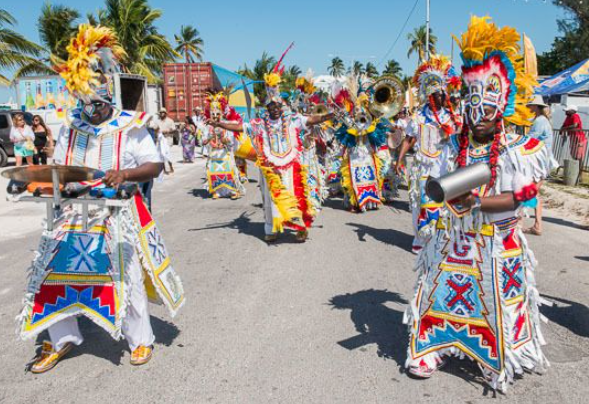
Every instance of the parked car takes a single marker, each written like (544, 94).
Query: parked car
(6, 146)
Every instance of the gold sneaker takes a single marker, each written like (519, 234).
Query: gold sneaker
(270, 238)
(49, 357)
(141, 355)
(302, 235)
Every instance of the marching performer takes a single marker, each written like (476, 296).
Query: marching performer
(223, 176)
(363, 134)
(106, 271)
(434, 122)
(476, 295)
(277, 138)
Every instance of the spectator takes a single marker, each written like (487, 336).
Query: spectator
(43, 140)
(167, 127)
(541, 130)
(23, 138)
(198, 119)
(188, 140)
(574, 130)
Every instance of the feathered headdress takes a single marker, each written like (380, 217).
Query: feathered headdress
(92, 50)
(432, 76)
(493, 70)
(218, 103)
(274, 78)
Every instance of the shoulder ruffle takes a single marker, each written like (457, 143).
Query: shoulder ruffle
(120, 121)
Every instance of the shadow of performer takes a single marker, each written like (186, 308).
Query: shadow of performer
(388, 236)
(568, 314)
(243, 224)
(375, 322)
(99, 343)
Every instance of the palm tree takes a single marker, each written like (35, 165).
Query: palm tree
(15, 50)
(371, 70)
(357, 68)
(133, 21)
(417, 39)
(262, 66)
(392, 68)
(56, 28)
(189, 43)
(290, 77)
(337, 67)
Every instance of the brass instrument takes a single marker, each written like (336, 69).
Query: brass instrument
(320, 109)
(387, 97)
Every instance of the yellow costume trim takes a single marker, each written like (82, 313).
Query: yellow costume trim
(378, 164)
(346, 181)
(82, 50)
(484, 37)
(354, 132)
(286, 203)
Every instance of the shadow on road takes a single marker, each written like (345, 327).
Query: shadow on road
(375, 322)
(243, 224)
(565, 223)
(334, 203)
(388, 236)
(582, 258)
(99, 344)
(568, 314)
(399, 205)
(200, 193)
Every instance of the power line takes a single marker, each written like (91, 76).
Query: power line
(400, 33)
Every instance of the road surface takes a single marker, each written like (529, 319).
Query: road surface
(319, 322)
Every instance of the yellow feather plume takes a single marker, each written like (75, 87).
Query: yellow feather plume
(484, 37)
(82, 53)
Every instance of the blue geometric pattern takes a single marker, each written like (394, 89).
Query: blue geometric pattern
(364, 174)
(81, 253)
(72, 296)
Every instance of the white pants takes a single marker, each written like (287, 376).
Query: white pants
(268, 206)
(136, 327)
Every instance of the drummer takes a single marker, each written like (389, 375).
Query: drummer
(117, 251)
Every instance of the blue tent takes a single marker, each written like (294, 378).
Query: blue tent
(237, 99)
(571, 80)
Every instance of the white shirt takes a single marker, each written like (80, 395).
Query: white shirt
(138, 148)
(166, 125)
(18, 138)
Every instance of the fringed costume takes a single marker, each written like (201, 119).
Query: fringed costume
(223, 175)
(430, 128)
(108, 271)
(476, 293)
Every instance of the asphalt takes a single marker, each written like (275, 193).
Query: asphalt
(319, 322)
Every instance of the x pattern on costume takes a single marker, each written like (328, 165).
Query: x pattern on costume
(476, 293)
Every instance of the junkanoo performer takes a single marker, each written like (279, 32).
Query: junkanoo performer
(476, 296)
(223, 176)
(277, 138)
(101, 273)
(434, 122)
(361, 137)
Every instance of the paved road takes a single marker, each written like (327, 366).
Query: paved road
(291, 323)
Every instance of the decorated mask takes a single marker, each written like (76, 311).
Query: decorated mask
(492, 64)
(432, 77)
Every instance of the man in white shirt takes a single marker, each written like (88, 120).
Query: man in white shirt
(100, 272)
(167, 127)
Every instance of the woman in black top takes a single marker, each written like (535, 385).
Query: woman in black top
(43, 140)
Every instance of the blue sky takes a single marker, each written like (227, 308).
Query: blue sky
(236, 31)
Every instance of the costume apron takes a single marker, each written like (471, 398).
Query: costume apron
(86, 272)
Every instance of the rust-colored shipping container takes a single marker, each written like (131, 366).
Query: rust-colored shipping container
(185, 87)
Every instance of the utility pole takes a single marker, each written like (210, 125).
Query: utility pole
(426, 29)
